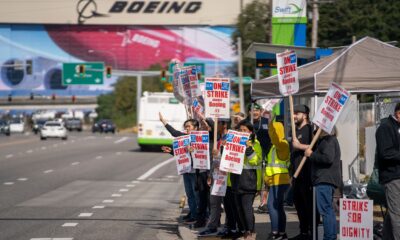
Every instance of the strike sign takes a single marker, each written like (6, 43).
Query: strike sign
(194, 82)
(181, 154)
(197, 107)
(185, 82)
(233, 155)
(200, 145)
(330, 109)
(288, 75)
(217, 94)
(356, 219)
(219, 184)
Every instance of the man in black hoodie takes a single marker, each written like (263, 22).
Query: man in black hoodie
(387, 158)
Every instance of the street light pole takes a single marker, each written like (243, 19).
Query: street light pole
(240, 74)
(108, 52)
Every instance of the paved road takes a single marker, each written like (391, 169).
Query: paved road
(85, 188)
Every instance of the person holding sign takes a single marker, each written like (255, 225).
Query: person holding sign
(326, 176)
(387, 158)
(246, 185)
(277, 178)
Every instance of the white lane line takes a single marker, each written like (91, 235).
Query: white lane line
(124, 190)
(29, 151)
(129, 185)
(118, 153)
(69, 224)
(75, 163)
(171, 176)
(48, 171)
(9, 156)
(108, 201)
(55, 145)
(8, 183)
(155, 168)
(116, 195)
(52, 239)
(72, 141)
(135, 181)
(121, 140)
(85, 215)
(44, 148)
(64, 143)
(22, 179)
(98, 207)
(99, 157)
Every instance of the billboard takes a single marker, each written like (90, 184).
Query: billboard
(133, 48)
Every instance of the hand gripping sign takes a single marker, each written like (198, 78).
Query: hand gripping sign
(356, 219)
(181, 154)
(287, 73)
(217, 94)
(327, 115)
(233, 155)
(200, 145)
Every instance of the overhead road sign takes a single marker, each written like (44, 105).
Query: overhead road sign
(86, 73)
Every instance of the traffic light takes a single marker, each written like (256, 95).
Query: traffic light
(163, 75)
(73, 98)
(108, 71)
(81, 70)
(53, 96)
(10, 97)
(32, 96)
(28, 67)
(168, 87)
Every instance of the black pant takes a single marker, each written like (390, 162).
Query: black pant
(215, 212)
(204, 192)
(303, 201)
(230, 211)
(244, 208)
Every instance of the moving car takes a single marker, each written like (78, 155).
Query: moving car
(103, 126)
(4, 127)
(73, 124)
(53, 129)
(38, 124)
(17, 125)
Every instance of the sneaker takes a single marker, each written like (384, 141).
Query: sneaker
(189, 221)
(283, 236)
(199, 224)
(262, 209)
(186, 217)
(301, 236)
(277, 236)
(208, 232)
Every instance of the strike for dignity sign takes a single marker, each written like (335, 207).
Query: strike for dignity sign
(217, 95)
(288, 75)
(356, 219)
(330, 109)
(181, 153)
(233, 155)
(200, 145)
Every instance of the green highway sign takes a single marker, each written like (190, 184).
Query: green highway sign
(90, 73)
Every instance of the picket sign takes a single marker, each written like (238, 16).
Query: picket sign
(217, 95)
(197, 107)
(194, 82)
(181, 154)
(199, 142)
(288, 77)
(233, 154)
(356, 219)
(220, 183)
(327, 115)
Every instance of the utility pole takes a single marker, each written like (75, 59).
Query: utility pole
(240, 73)
(315, 18)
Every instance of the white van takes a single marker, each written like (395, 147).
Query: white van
(151, 132)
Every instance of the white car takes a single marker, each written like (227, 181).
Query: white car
(53, 129)
(17, 125)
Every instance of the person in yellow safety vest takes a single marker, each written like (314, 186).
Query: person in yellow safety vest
(246, 185)
(277, 178)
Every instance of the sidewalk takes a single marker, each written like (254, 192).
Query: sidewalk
(263, 226)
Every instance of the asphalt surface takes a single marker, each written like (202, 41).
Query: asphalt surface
(91, 186)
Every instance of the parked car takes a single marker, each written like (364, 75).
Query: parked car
(4, 127)
(103, 126)
(38, 124)
(53, 129)
(73, 124)
(17, 125)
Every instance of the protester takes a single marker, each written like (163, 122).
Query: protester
(387, 158)
(260, 125)
(195, 182)
(326, 176)
(246, 185)
(236, 118)
(277, 179)
(302, 185)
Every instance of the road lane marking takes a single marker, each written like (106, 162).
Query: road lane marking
(98, 207)
(121, 140)
(29, 151)
(99, 157)
(155, 168)
(44, 148)
(75, 163)
(85, 215)
(48, 171)
(69, 224)
(17, 142)
(22, 179)
(8, 183)
(171, 176)
(9, 156)
(116, 195)
(130, 185)
(118, 153)
(108, 201)
(124, 190)
(51, 239)
(135, 181)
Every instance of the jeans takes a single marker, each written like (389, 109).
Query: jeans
(189, 181)
(391, 226)
(244, 207)
(324, 194)
(276, 211)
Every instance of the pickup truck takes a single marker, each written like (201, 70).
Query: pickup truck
(73, 124)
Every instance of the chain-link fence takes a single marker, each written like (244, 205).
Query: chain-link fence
(384, 105)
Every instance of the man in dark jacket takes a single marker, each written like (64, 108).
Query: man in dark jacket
(388, 162)
(326, 176)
